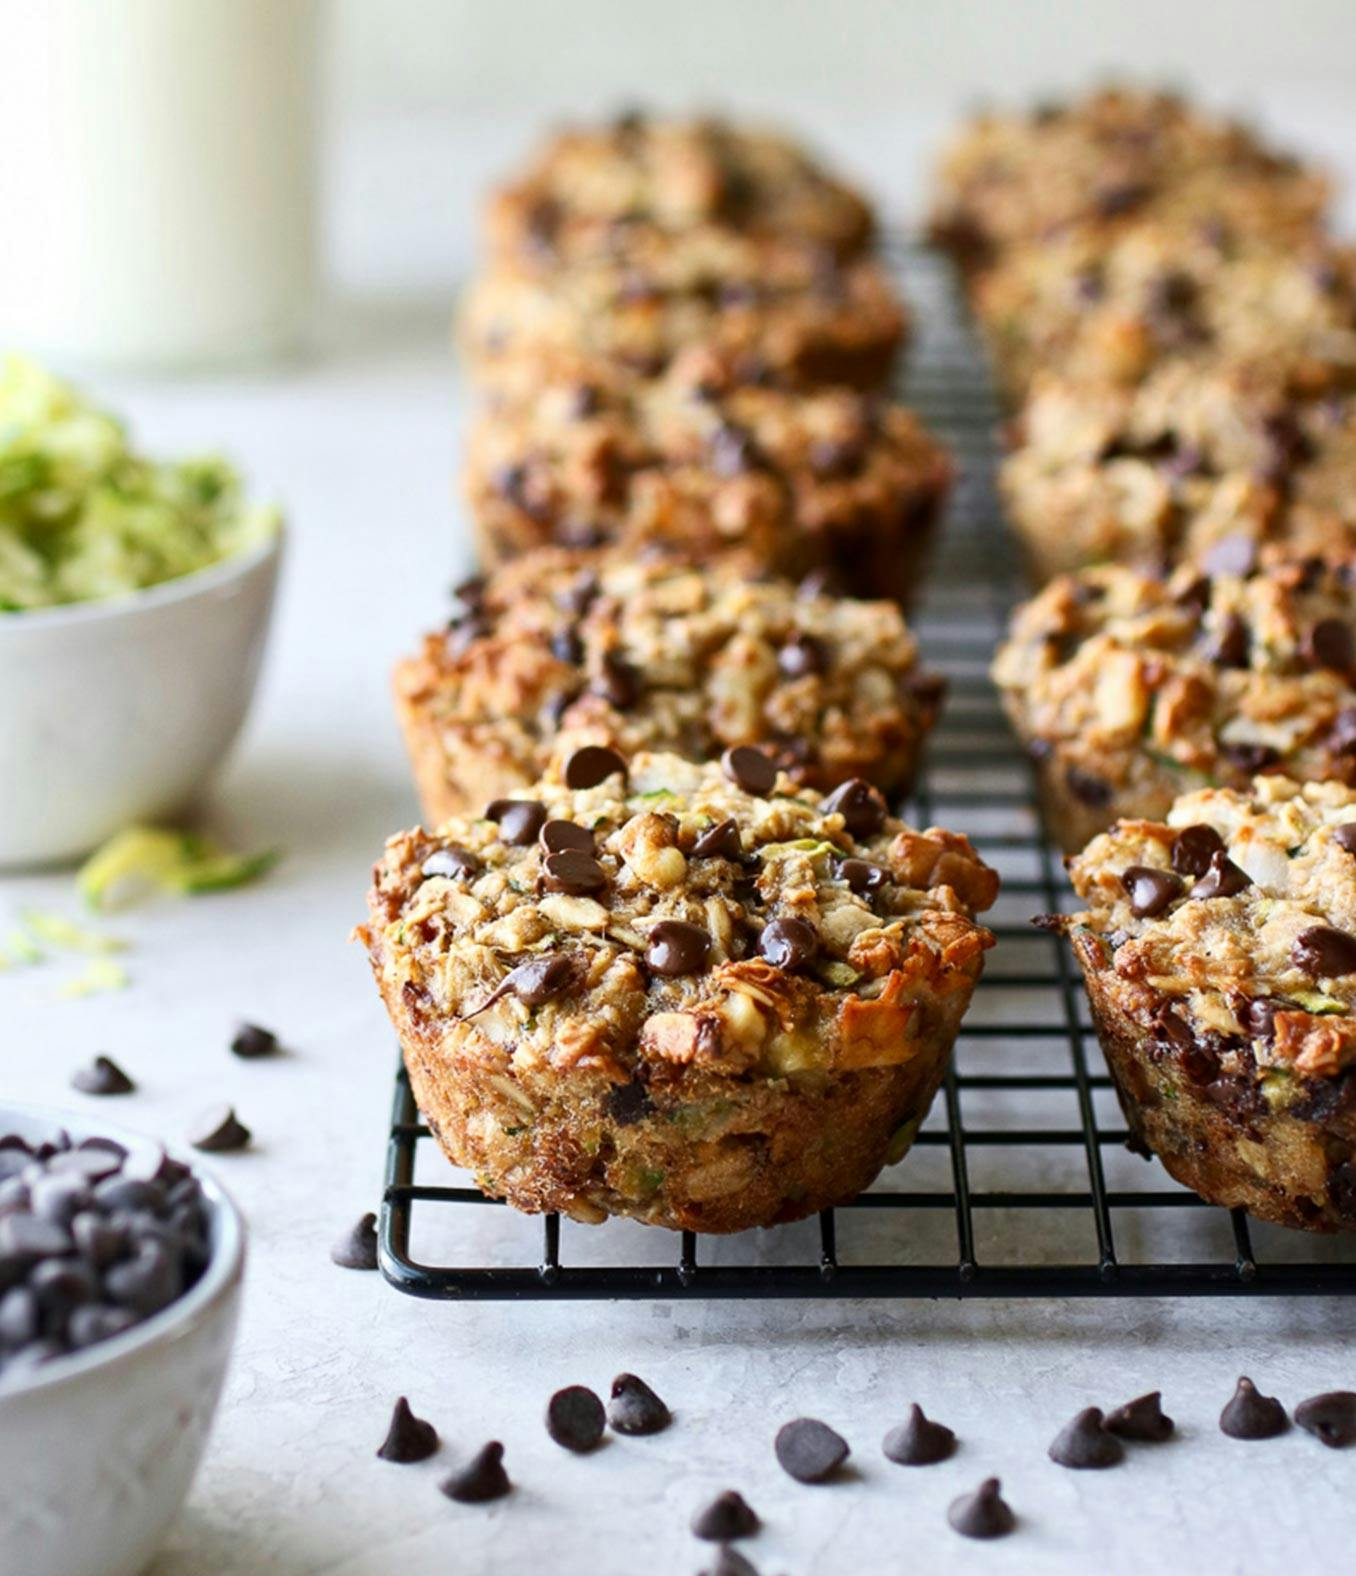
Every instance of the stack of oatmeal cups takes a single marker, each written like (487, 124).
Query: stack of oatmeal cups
(662, 948)
(1176, 332)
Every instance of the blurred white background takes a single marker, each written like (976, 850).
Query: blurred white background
(429, 98)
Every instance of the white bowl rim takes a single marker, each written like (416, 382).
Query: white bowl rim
(126, 604)
(223, 1269)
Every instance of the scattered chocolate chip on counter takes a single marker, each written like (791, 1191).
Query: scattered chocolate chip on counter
(1330, 1417)
(1084, 1443)
(250, 1042)
(409, 1438)
(92, 1241)
(575, 1419)
(983, 1514)
(1250, 1415)
(919, 1442)
(481, 1480)
(1142, 1420)
(810, 1451)
(102, 1076)
(727, 1517)
(357, 1248)
(635, 1408)
(218, 1131)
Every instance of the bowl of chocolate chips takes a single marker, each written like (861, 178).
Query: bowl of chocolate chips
(120, 1270)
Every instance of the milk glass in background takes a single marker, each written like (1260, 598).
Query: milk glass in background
(158, 180)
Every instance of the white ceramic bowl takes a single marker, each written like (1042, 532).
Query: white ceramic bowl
(119, 711)
(97, 1450)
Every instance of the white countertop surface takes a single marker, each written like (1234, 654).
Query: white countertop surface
(359, 442)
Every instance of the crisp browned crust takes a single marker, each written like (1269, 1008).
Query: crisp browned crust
(1130, 690)
(587, 183)
(779, 308)
(704, 463)
(563, 648)
(1229, 1031)
(742, 1093)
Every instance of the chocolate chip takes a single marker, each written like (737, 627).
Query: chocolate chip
(983, 1514)
(1085, 1444)
(574, 872)
(567, 647)
(1233, 644)
(1150, 891)
(452, 863)
(96, 1240)
(628, 1103)
(1323, 952)
(619, 683)
(409, 1438)
(594, 764)
(721, 841)
(251, 1042)
(483, 1479)
(919, 1442)
(727, 1517)
(357, 1248)
(1258, 1016)
(28, 1239)
(218, 1131)
(862, 807)
(147, 1282)
(1222, 878)
(862, 876)
(541, 980)
(635, 1408)
(557, 836)
(519, 820)
(1088, 789)
(732, 450)
(102, 1076)
(802, 655)
(575, 1419)
(674, 947)
(1142, 1419)
(20, 1317)
(1194, 847)
(809, 1451)
(1330, 1417)
(1331, 644)
(749, 769)
(97, 1321)
(1231, 555)
(788, 943)
(1250, 1415)
(1250, 758)
(1341, 738)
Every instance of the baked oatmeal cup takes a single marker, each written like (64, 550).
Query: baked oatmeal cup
(1219, 951)
(692, 994)
(1168, 471)
(703, 462)
(1111, 160)
(563, 648)
(1128, 690)
(1113, 312)
(788, 311)
(672, 176)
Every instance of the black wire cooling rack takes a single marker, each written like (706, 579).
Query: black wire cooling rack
(1019, 1184)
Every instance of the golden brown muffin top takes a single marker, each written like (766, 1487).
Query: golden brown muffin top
(653, 652)
(1233, 924)
(677, 914)
(1220, 674)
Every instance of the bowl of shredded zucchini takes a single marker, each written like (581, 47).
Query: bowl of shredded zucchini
(135, 600)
